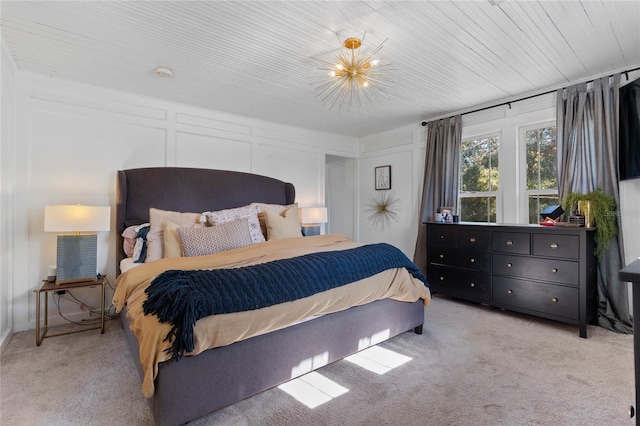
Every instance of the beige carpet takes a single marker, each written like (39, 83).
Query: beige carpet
(472, 366)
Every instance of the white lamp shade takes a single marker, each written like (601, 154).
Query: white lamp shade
(77, 218)
(311, 215)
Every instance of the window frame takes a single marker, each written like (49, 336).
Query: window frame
(523, 200)
(477, 194)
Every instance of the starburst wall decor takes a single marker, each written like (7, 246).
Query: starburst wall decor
(383, 209)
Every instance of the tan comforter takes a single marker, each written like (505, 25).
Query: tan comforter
(220, 330)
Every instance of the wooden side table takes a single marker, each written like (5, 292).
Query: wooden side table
(48, 287)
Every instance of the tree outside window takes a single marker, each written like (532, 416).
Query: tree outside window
(541, 169)
(479, 179)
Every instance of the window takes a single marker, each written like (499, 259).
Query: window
(479, 181)
(541, 169)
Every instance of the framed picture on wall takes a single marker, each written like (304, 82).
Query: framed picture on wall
(383, 177)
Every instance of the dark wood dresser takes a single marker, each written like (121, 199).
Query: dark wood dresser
(546, 271)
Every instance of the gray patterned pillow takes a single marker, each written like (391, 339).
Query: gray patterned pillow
(213, 239)
(247, 212)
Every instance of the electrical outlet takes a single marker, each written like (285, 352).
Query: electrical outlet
(61, 291)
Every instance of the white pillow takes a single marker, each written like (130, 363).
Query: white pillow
(249, 212)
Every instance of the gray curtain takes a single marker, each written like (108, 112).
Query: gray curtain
(441, 177)
(587, 141)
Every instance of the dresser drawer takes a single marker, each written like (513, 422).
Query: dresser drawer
(552, 270)
(549, 299)
(511, 242)
(468, 285)
(441, 235)
(468, 259)
(442, 255)
(553, 245)
(474, 239)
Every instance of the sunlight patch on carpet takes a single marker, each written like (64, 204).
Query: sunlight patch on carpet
(378, 360)
(313, 389)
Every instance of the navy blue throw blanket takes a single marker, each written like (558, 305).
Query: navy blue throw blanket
(180, 298)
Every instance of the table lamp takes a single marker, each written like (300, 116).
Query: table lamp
(311, 218)
(76, 258)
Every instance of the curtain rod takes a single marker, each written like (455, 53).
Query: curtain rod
(626, 73)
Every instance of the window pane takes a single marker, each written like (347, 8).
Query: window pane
(479, 165)
(478, 209)
(493, 158)
(541, 158)
(537, 203)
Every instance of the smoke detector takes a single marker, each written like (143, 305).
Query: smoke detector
(164, 72)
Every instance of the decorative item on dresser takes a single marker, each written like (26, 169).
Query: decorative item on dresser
(544, 271)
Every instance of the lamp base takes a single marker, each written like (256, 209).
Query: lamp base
(308, 231)
(76, 258)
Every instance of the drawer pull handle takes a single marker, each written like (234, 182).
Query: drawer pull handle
(554, 270)
(554, 300)
(472, 260)
(509, 243)
(472, 240)
(509, 265)
(473, 285)
(442, 256)
(509, 291)
(553, 245)
(441, 278)
(442, 237)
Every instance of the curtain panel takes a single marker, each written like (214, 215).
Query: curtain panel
(441, 177)
(587, 142)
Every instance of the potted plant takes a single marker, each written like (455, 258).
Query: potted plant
(599, 210)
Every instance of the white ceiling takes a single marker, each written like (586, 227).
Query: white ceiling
(254, 58)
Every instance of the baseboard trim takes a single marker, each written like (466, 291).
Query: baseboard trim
(4, 339)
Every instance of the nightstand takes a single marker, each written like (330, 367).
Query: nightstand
(50, 286)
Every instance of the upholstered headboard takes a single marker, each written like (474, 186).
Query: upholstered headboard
(190, 190)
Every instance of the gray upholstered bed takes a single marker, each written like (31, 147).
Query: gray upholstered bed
(200, 384)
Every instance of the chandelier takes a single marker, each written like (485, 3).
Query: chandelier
(354, 79)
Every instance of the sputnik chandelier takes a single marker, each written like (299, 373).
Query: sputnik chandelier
(354, 79)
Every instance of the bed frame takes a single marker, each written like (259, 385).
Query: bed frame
(198, 385)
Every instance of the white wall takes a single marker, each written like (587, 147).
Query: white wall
(403, 149)
(7, 169)
(72, 138)
(630, 218)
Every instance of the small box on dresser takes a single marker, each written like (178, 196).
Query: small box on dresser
(539, 270)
